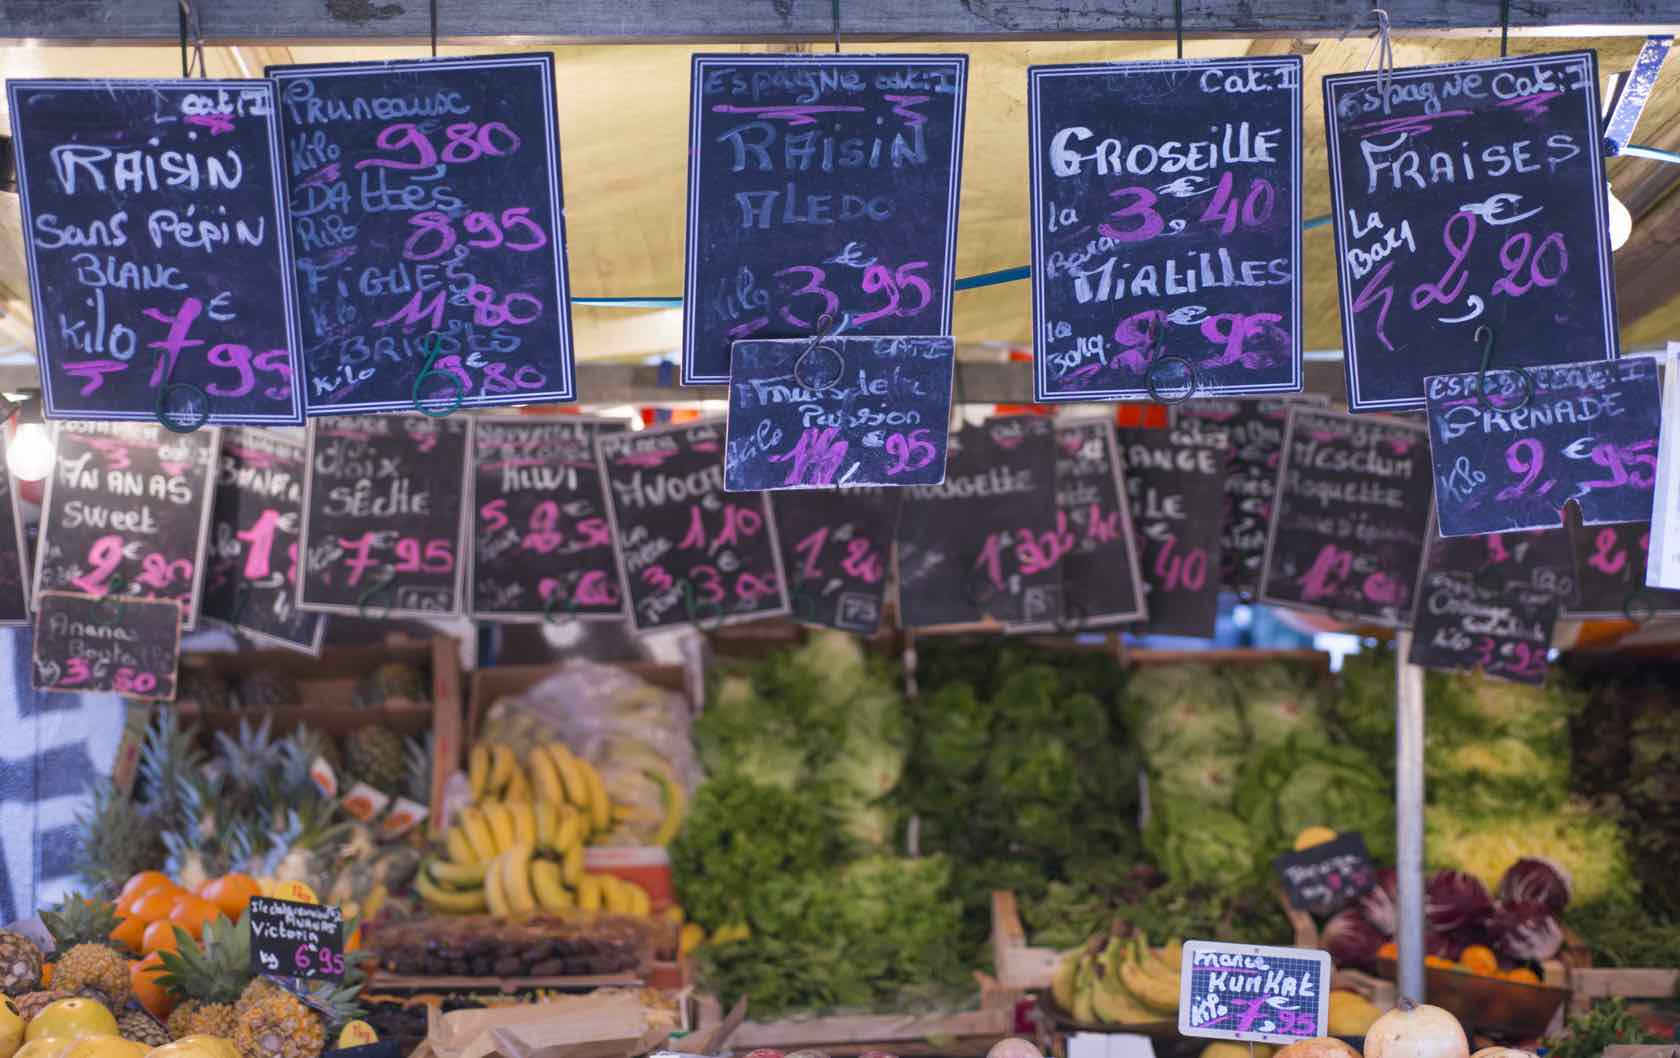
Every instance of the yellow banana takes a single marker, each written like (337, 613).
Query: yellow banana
(546, 820)
(494, 898)
(519, 786)
(456, 874)
(673, 913)
(640, 902)
(477, 830)
(501, 770)
(524, 823)
(460, 849)
(450, 900)
(571, 868)
(516, 880)
(615, 895)
(693, 935)
(600, 809)
(478, 770)
(589, 895)
(500, 818)
(568, 834)
(545, 777)
(675, 799)
(577, 787)
(545, 881)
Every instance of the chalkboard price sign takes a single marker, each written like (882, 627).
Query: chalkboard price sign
(1101, 581)
(688, 552)
(1176, 483)
(1326, 877)
(127, 512)
(841, 411)
(1610, 563)
(1255, 993)
(1166, 229)
(384, 513)
(836, 544)
(542, 545)
(122, 644)
(14, 552)
(427, 223)
(984, 545)
(292, 939)
(251, 572)
(1468, 195)
(1511, 449)
(154, 224)
(819, 187)
(1347, 530)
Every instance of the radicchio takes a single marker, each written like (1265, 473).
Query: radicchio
(1455, 900)
(1532, 880)
(1351, 940)
(1526, 932)
(1381, 906)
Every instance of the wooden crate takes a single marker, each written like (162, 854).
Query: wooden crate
(1019, 966)
(966, 1034)
(328, 685)
(1589, 984)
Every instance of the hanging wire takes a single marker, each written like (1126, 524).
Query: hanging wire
(1504, 28)
(836, 9)
(1383, 53)
(434, 27)
(1178, 25)
(190, 27)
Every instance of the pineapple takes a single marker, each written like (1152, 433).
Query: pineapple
(169, 755)
(283, 1026)
(375, 756)
(194, 1018)
(87, 962)
(34, 1002)
(20, 964)
(259, 989)
(268, 687)
(142, 1028)
(209, 978)
(118, 839)
(391, 682)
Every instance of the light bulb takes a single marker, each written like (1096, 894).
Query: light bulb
(30, 455)
(1621, 221)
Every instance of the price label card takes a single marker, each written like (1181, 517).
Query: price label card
(688, 552)
(1468, 195)
(293, 939)
(1255, 993)
(1610, 575)
(427, 222)
(127, 512)
(1175, 479)
(1102, 583)
(1348, 521)
(384, 513)
(542, 546)
(1664, 568)
(251, 572)
(1511, 456)
(1255, 428)
(1327, 877)
(841, 411)
(1166, 205)
(819, 187)
(14, 551)
(836, 544)
(983, 545)
(154, 221)
(87, 644)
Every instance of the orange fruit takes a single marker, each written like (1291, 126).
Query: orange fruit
(46, 974)
(129, 932)
(145, 880)
(1439, 962)
(1479, 959)
(354, 944)
(159, 936)
(143, 975)
(192, 913)
(1390, 950)
(153, 905)
(231, 893)
(1523, 975)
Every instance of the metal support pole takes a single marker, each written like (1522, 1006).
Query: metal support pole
(1408, 814)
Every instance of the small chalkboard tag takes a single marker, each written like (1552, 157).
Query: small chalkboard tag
(1610, 575)
(808, 413)
(86, 644)
(1102, 583)
(1511, 448)
(1175, 480)
(836, 545)
(291, 939)
(1470, 213)
(1254, 993)
(1327, 877)
(1166, 205)
(1663, 569)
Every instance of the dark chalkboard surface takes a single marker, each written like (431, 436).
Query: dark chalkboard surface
(1166, 205)
(1588, 433)
(1348, 521)
(1175, 480)
(1473, 195)
(293, 939)
(836, 544)
(1101, 581)
(1327, 877)
(14, 551)
(841, 411)
(542, 544)
(1256, 431)
(1610, 575)
(688, 552)
(819, 186)
(427, 224)
(127, 512)
(252, 565)
(384, 514)
(983, 545)
(155, 237)
(87, 644)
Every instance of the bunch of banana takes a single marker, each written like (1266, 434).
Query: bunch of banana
(1119, 980)
(551, 774)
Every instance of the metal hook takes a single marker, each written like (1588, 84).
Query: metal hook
(107, 609)
(1157, 343)
(1484, 338)
(553, 597)
(692, 607)
(978, 590)
(160, 407)
(1647, 608)
(382, 586)
(800, 366)
(189, 18)
(435, 346)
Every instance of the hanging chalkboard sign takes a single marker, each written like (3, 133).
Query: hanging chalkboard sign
(384, 513)
(688, 552)
(1166, 206)
(983, 545)
(1610, 583)
(542, 546)
(427, 223)
(154, 231)
(1175, 481)
(847, 411)
(1510, 448)
(819, 187)
(252, 565)
(1254, 993)
(836, 544)
(127, 512)
(1255, 428)
(1328, 876)
(14, 551)
(1101, 581)
(1468, 195)
(1348, 521)
(122, 644)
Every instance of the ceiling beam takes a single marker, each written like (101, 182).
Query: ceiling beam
(670, 21)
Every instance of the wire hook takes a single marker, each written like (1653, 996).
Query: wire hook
(1484, 338)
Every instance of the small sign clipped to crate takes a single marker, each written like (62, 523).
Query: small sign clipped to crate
(1253, 993)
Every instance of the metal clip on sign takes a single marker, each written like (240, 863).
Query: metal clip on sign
(1484, 338)
(807, 370)
(381, 586)
(554, 598)
(1160, 359)
(693, 608)
(179, 422)
(108, 610)
(806, 606)
(434, 342)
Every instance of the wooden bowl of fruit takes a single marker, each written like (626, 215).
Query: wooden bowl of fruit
(1504, 1002)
